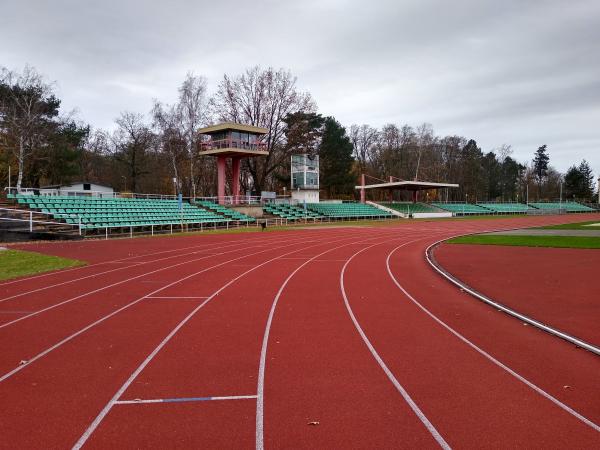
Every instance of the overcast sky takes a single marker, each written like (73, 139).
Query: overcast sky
(519, 72)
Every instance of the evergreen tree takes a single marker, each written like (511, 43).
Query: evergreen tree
(336, 161)
(511, 174)
(540, 166)
(579, 182)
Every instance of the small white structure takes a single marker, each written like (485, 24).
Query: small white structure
(305, 178)
(79, 188)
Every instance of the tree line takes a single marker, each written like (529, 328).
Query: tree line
(157, 151)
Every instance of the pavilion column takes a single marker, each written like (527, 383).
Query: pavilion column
(391, 179)
(221, 160)
(415, 197)
(363, 198)
(235, 165)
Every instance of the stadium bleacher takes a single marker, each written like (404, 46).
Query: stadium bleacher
(96, 212)
(462, 208)
(224, 211)
(410, 208)
(506, 208)
(290, 212)
(567, 206)
(347, 210)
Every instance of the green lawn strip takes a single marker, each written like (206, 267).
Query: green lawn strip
(530, 241)
(17, 263)
(573, 226)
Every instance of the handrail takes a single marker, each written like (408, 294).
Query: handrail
(232, 143)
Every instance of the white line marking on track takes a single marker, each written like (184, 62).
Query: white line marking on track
(536, 323)
(119, 283)
(174, 298)
(263, 352)
(96, 422)
(485, 354)
(407, 398)
(93, 324)
(19, 280)
(200, 248)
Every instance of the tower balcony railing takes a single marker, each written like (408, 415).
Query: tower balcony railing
(232, 143)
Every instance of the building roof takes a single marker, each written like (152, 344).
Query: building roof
(232, 126)
(58, 186)
(409, 185)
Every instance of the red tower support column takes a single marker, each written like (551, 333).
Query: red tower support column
(363, 198)
(235, 190)
(221, 179)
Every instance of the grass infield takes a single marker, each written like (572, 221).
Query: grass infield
(17, 263)
(530, 241)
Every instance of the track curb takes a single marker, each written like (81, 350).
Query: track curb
(481, 297)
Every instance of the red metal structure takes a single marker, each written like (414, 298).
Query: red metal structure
(235, 141)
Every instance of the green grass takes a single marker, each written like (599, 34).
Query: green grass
(17, 263)
(530, 241)
(572, 226)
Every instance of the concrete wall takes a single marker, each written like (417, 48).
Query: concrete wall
(249, 210)
(431, 215)
(311, 196)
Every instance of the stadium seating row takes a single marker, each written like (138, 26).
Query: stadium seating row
(224, 211)
(347, 210)
(290, 212)
(514, 208)
(95, 212)
(410, 208)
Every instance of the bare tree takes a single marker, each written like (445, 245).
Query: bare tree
(27, 110)
(192, 113)
(171, 138)
(364, 138)
(262, 98)
(131, 142)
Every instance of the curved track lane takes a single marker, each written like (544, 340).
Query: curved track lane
(281, 343)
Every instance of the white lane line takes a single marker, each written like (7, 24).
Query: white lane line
(174, 298)
(263, 351)
(56, 305)
(216, 246)
(139, 401)
(96, 422)
(407, 398)
(485, 354)
(22, 294)
(6, 283)
(102, 319)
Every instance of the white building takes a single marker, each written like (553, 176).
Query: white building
(305, 178)
(79, 188)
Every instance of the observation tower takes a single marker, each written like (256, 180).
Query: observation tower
(234, 141)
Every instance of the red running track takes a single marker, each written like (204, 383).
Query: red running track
(556, 286)
(321, 338)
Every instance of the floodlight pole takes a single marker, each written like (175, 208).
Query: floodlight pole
(560, 202)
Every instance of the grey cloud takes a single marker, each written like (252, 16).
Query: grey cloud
(515, 71)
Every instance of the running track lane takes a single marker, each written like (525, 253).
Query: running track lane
(453, 230)
(25, 339)
(193, 438)
(87, 274)
(322, 387)
(65, 388)
(556, 366)
(219, 362)
(559, 291)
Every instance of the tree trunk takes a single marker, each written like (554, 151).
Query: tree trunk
(21, 163)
